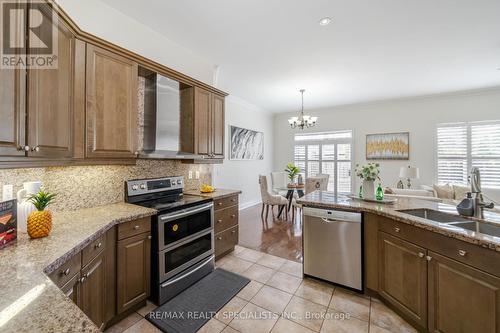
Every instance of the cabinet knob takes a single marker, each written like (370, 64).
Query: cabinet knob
(220, 203)
(233, 216)
(233, 232)
(66, 271)
(421, 255)
(428, 258)
(233, 200)
(396, 229)
(219, 238)
(136, 227)
(149, 237)
(25, 148)
(82, 279)
(462, 253)
(98, 245)
(36, 148)
(219, 221)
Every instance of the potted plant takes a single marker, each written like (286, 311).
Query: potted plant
(292, 170)
(368, 173)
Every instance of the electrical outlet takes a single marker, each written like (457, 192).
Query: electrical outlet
(190, 176)
(197, 175)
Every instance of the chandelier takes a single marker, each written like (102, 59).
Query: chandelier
(302, 121)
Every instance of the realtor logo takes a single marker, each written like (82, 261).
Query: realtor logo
(28, 35)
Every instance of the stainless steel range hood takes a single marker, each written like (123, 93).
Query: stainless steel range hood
(162, 119)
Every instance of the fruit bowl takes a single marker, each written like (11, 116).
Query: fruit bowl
(207, 188)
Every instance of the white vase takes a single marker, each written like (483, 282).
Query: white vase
(368, 189)
(24, 207)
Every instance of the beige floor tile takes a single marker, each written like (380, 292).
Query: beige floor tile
(229, 329)
(272, 299)
(259, 273)
(147, 308)
(284, 282)
(142, 326)
(212, 326)
(305, 313)
(337, 322)
(238, 249)
(384, 317)
(271, 261)
(228, 312)
(235, 264)
(249, 255)
(287, 326)
(351, 303)
(125, 323)
(292, 268)
(316, 291)
(254, 319)
(250, 290)
(376, 329)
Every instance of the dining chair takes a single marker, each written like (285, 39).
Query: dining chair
(269, 199)
(278, 182)
(317, 183)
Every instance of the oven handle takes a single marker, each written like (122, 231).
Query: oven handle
(188, 273)
(186, 212)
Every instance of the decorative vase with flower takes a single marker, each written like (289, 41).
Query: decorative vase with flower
(292, 170)
(368, 173)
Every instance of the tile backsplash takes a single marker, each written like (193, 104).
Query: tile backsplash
(90, 186)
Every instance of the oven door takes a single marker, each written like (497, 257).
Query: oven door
(175, 227)
(176, 259)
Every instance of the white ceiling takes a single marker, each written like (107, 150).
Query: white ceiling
(374, 49)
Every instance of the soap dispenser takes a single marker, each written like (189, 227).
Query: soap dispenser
(466, 206)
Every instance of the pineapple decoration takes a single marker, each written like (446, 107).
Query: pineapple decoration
(40, 221)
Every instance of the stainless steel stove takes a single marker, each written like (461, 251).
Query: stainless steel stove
(182, 234)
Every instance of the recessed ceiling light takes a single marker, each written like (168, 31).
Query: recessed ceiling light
(325, 21)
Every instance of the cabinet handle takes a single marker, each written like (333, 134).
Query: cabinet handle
(136, 227)
(219, 238)
(421, 255)
(396, 229)
(66, 272)
(36, 148)
(98, 245)
(219, 221)
(462, 253)
(149, 237)
(82, 279)
(220, 203)
(428, 258)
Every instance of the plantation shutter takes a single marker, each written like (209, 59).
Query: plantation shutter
(485, 152)
(452, 154)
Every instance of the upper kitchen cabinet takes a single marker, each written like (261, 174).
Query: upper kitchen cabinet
(111, 109)
(203, 116)
(50, 94)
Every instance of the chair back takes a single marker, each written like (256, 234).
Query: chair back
(278, 179)
(264, 193)
(318, 183)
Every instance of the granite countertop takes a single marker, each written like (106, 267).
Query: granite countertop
(29, 300)
(330, 201)
(217, 194)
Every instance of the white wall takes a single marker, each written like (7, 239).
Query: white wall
(419, 116)
(243, 175)
(99, 19)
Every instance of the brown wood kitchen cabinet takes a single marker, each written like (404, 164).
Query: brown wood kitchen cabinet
(226, 214)
(93, 290)
(203, 123)
(111, 104)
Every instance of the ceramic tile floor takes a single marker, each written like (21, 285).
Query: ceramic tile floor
(279, 300)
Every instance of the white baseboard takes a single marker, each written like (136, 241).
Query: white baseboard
(245, 205)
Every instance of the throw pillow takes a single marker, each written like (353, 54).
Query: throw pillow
(444, 191)
(460, 191)
(388, 190)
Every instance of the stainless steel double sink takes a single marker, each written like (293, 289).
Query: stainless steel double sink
(454, 221)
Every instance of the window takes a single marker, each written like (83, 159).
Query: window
(326, 153)
(465, 145)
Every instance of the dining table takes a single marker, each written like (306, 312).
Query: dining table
(289, 195)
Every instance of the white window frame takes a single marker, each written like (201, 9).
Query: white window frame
(335, 142)
(469, 157)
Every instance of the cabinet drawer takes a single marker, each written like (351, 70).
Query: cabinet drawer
(133, 228)
(93, 249)
(226, 202)
(226, 240)
(67, 271)
(395, 228)
(226, 218)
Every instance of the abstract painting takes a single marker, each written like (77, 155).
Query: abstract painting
(388, 146)
(246, 144)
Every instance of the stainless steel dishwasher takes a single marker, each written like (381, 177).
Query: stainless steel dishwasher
(333, 246)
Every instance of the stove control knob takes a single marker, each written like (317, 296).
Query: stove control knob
(135, 187)
(143, 186)
(179, 182)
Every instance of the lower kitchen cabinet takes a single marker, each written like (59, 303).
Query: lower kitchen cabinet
(72, 289)
(403, 276)
(93, 289)
(462, 298)
(226, 211)
(133, 270)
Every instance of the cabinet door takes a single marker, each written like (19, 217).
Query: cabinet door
(133, 270)
(218, 126)
(50, 99)
(12, 105)
(93, 286)
(403, 276)
(462, 298)
(72, 289)
(111, 104)
(202, 127)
